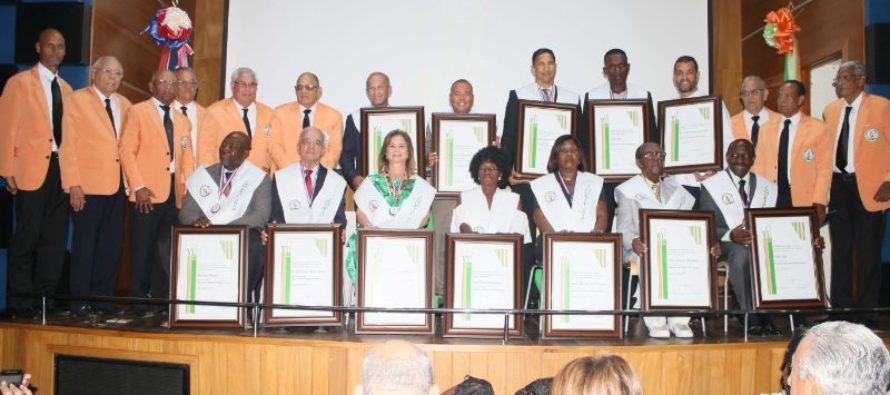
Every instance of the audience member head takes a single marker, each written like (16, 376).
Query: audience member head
(785, 381)
(461, 96)
(838, 357)
(566, 155)
(616, 69)
(650, 161)
(597, 375)
(792, 95)
(311, 146)
(163, 86)
(753, 94)
(471, 386)
(396, 368)
(686, 75)
(397, 149)
(740, 157)
(488, 165)
(233, 150)
(850, 80)
(106, 74)
(537, 387)
(244, 85)
(378, 89)
(308, 89)
(544, 67)
(50, 48)
(186, 85)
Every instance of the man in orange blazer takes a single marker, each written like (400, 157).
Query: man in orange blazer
(243, 113)
(755, 116)
(291, 118)
(796, 157)
(186, 90)
(858, 127)
(156, 155)
(31, 109)
(91, 173)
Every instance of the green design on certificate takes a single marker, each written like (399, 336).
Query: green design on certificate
(285, 277)
(675, 138)
(468, 285)
(661, 243)
(532, 157)
(607, 160)
(192, 278)
(770, 264)
(565, 266)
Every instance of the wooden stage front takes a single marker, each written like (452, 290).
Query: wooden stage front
(303, 362)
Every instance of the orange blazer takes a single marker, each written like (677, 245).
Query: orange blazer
(810, 160)
(144, 154)
(871, 145)
(89, 156)
(740, 130)
(26, 133)
(286, 127)
(223, 118)
(201, 113)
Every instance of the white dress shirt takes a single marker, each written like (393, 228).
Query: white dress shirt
(851, 145)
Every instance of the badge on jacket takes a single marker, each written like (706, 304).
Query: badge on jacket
(809, 155)
(872, 135)
(727, 199)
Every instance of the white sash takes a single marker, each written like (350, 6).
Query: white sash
(474, 208)
(638, 189)
(726, 195)
(221, 210)
(295, 198)
(407, 216)
(581, 216)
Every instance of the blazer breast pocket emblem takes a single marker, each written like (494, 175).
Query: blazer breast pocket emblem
(871, 135)
(809, 155)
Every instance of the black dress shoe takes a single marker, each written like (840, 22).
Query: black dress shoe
(27, 314)
(756, 331)
(81, 311)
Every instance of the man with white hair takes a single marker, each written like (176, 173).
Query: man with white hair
(396, 368)
(838, 357)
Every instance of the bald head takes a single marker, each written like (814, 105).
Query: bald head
(50, 48)
(397, 367)
(378, 89)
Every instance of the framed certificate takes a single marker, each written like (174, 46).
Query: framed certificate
(303, 267)
(691, 134)
(456, 138)
(787, 267)
(618, 128)
(376, 123)
(582, 271)
(678, 271)
(484, 272)
(540, 124)
(395, 270)
(208, 265)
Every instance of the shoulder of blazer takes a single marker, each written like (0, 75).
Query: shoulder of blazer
(322, 108)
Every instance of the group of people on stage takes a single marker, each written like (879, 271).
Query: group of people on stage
(88, 153)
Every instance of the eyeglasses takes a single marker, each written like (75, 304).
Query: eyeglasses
(187, 83)
(654, 155)
(306, 87)
(844, 78)
(112, 72)
(751, 93)
(164, 82)
(243, 84)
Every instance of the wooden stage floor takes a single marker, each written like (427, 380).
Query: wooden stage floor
(304, 361)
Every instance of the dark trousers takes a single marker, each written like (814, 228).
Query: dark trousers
(96, 250)
(854, 228)
(37, 250)
(256, 265)
(150, 246)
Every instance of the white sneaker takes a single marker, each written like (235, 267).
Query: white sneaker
(659, 331)
(682, 331)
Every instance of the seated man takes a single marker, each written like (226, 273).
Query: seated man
(232, 192)
(396, 368)
(727, 194)
(838, 357)
(307, 192)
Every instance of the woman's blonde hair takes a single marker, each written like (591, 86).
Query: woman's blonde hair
(601, 374)
(383, 163)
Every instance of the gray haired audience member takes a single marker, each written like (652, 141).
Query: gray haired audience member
(838, 357)
(601, 374)
(396, 367)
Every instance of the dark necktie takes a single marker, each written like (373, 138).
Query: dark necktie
(547, 96)
(755, 129)
(57, 110)
(246, 122)
(308, 179)
(168, 129)
(227, 187)
(110, 115)
(185, 110)
(743, 193)
(843, 142)
(784, 198)
(306, 117)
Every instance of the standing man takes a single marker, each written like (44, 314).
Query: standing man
(755, 116)
(243, 113)
(186, 90)
(378, 90)
(291, 118)
(156, 155)
(728, 194)
(649, 191)
(31, 109)
(91, 173)
(859, 124)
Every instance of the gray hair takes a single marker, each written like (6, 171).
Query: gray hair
(97, 64)
(405, 369)
(324, 135)
(857, 67)
(754, 78)
(243, 70)
(845, 358)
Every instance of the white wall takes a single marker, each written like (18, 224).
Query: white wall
(424, 45)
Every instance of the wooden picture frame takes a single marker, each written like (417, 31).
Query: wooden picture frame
(399, 246)
(599, 246)
(289, 243)
(409, 119)
(218, 243)
(700, 232)
(471, 247)
(699, 112)
(444, 172)
(533, 164)
(630, 114)
(802, 222)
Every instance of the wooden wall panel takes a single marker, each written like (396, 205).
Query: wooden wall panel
(208, 45)
(727, 50)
